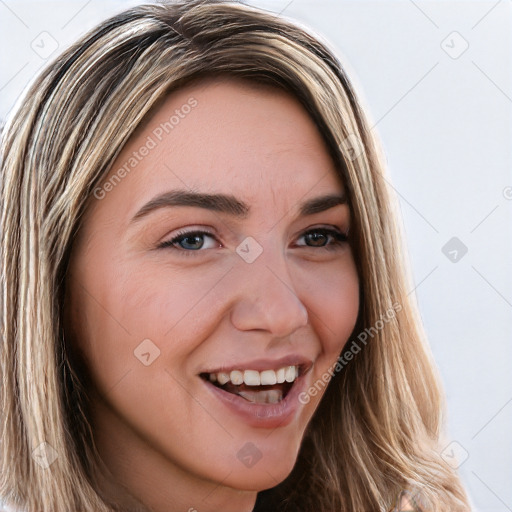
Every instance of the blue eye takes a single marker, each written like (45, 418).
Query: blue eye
(187, 242)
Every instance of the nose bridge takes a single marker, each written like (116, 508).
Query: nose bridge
(267, 297)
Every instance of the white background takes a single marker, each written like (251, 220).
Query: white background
(445, 124)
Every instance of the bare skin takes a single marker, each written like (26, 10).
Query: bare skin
(158, 428)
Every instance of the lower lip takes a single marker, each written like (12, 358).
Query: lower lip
(262, 415)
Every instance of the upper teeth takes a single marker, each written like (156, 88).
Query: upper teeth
(256, 378)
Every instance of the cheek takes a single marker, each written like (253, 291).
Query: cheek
(333, 299)
(335, 305)
(118, 303)
(100, 332)
(173, 307)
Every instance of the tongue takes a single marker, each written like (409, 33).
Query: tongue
(257, 394)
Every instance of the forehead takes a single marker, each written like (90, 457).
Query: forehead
(227, 136)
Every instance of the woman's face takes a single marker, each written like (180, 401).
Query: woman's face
(217, 253)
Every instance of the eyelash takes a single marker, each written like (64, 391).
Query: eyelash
(339, 237)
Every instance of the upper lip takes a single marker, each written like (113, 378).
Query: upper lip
(265, 364)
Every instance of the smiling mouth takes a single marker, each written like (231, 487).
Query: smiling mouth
(267, 387)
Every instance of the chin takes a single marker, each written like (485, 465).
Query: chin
(263, 463)
(261, 476)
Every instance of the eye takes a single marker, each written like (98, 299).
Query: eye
(190, 241)
(320, 237)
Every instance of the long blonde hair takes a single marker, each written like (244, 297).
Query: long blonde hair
(378, 429)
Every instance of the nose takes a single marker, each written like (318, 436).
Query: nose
(267, 299)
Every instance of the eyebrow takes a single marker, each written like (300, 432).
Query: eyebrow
(228, 204)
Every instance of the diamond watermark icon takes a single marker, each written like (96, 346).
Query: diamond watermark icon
(454, 45)
(146, 352)
(249, 454)
(454, 249)
(455, 455)
(249, 249)
(44, 44)
(351, 146)
(45, 455)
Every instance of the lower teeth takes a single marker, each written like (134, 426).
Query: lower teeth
(270, 396)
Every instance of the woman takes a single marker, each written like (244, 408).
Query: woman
(204, 301)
